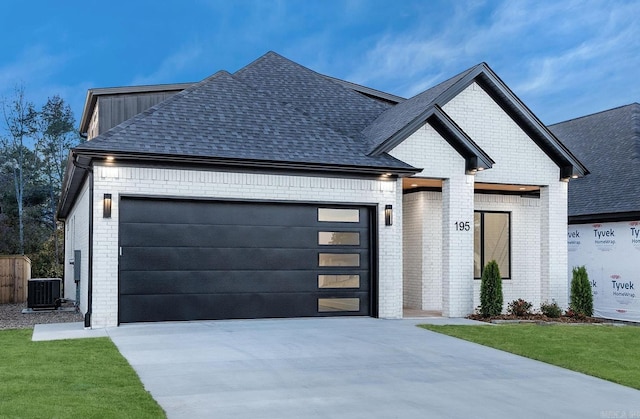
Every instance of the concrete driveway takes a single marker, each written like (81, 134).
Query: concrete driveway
(351, 368)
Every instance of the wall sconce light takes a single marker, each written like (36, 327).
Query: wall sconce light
(388, 215)
(106, 206)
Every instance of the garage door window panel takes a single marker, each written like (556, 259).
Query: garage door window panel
(338, 281)
(338, 238)
(339, 259)
(338, 304)
(339, 215)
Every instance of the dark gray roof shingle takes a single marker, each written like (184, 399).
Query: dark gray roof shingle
(608, 143)
(312, 94)
(394, 119)
(224, 118)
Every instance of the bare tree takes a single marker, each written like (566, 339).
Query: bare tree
(19, 118)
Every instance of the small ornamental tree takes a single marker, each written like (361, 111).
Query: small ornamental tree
(491, 290)
(581, 295)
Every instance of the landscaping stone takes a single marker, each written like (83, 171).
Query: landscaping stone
(12, 317)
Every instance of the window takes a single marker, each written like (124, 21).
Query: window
(492, 241)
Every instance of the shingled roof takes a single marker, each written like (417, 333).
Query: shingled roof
(272, 111)
(608, 143)
(396, 124)
(277, 114)
(312, 94)
(393, 120)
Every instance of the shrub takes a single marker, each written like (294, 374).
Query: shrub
(581, 295)
(551, 309)
(570, 313)
(519, 307)
(491, 290)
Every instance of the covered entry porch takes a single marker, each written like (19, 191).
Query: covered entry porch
(447, 240)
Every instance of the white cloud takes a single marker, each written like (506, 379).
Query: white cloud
(422, 55)
(35, 68)
(540, 48)
(172, 66)
(34, 63)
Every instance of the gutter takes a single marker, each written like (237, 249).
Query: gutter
(245, 164)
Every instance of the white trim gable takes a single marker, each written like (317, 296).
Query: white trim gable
(518, 159)
(427, 149)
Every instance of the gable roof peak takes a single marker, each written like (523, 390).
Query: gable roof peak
(399, 122)
(386, 127)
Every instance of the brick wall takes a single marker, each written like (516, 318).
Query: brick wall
(553, 253)
(432, 251)
(427, 150)
(517, 158)
(457, 245)
(77, 238)
(414, 217)
(230, 185)
(438, 258)
(525, 246)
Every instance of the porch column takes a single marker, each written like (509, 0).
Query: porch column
(457, 246)
(554, 283)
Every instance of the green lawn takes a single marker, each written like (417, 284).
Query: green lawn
(608, 352)
(82, 378)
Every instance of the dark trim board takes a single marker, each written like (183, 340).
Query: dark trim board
(604, 217)
(190, 259)
(523, 194)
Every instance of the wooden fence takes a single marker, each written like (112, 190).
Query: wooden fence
(15, 272)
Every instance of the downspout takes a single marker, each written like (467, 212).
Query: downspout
(87, 316)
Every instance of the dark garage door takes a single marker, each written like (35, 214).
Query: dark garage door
(192, 259)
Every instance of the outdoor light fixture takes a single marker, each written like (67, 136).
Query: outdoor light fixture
(388, 215)
(106, 206)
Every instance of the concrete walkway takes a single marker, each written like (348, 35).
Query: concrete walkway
(351, 368)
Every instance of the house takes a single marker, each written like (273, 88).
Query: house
(276, 191)
(604, 207)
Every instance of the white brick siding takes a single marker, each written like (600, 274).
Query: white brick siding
(518, 160)
(553, 254)
(525, 246)
(136, 181)
(438, 257)
(424, 244)
(422, 250)
(457, 246)
(414, 216)
(538, 246)
(77, 238)
(427, 150)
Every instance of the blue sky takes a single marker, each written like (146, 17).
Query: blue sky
(564, 59)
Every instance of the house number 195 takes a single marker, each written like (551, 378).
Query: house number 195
(463, 225)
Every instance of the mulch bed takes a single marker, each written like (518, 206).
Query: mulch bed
(537, 318)
(11, 317)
